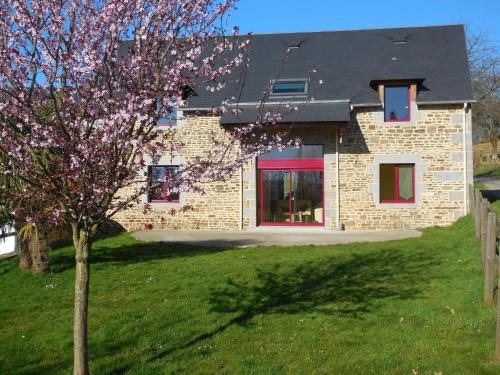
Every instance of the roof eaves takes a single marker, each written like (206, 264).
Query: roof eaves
(193, 109)
(378, 104)
(447, 101)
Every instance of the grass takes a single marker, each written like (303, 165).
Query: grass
(495, 207)
(381, 308)
(479, 185)
(487, 170)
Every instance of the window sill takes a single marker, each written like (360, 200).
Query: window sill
(287, 96)
(397, 205)
(398, 202)
(393, 121)
(166, 205)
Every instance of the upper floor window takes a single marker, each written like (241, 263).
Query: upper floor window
(163, 188)
(289, 86)
(169, 118)
(397, 103)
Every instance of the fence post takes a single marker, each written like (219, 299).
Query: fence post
(496, 258)
(484, 227)
(470, 199)
(489, 269)
(477, 212)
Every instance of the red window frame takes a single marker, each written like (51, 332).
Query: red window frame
(164, 187)
(300, 164)
(408, 99)
(396, 184)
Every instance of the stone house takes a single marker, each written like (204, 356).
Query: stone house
(386, 141)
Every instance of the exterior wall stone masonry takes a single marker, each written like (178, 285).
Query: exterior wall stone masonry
(217, 209)
(433, 140)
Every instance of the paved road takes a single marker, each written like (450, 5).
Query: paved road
(489, 182)
(267, 236)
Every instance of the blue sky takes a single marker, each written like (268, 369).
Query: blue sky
(261, 16)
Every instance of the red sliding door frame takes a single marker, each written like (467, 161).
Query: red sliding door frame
(289, 166)
(282, 164)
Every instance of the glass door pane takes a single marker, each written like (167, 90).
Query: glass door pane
(275, 197)
(387, 181)
(307, 197)
(405, 183)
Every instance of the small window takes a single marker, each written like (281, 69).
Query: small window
(289, 87)
(397, 183)
(169, 118)
(397, 103)
(163, 187)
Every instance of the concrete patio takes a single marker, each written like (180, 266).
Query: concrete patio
(268, 236)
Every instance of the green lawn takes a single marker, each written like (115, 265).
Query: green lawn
(479, 185)
(487, 170)
(384, 308)
(495, 207)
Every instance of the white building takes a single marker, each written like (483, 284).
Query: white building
(8, 244)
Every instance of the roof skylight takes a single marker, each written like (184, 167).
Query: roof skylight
(289, 86)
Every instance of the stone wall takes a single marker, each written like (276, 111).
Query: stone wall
(217, 209)
(433, 141)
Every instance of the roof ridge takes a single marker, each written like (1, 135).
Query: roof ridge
(355, 30)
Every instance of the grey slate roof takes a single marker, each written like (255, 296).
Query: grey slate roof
(348, 62)
(309, 112)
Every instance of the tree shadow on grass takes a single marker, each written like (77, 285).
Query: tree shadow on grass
(136, 253)
(342, 287)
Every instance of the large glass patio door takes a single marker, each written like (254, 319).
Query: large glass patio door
(290, 186)
(291, 197)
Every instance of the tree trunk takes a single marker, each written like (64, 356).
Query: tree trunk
(494, 141)
(39, 249)
(83, 243)
(24, 255)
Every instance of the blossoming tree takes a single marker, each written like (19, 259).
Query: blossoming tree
(104, 98)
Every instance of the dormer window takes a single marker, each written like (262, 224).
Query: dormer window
(397, 103)
(289, 86)
(169, 118)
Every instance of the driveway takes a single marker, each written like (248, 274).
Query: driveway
(272, 236)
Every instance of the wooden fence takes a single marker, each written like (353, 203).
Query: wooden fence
(488, 232)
